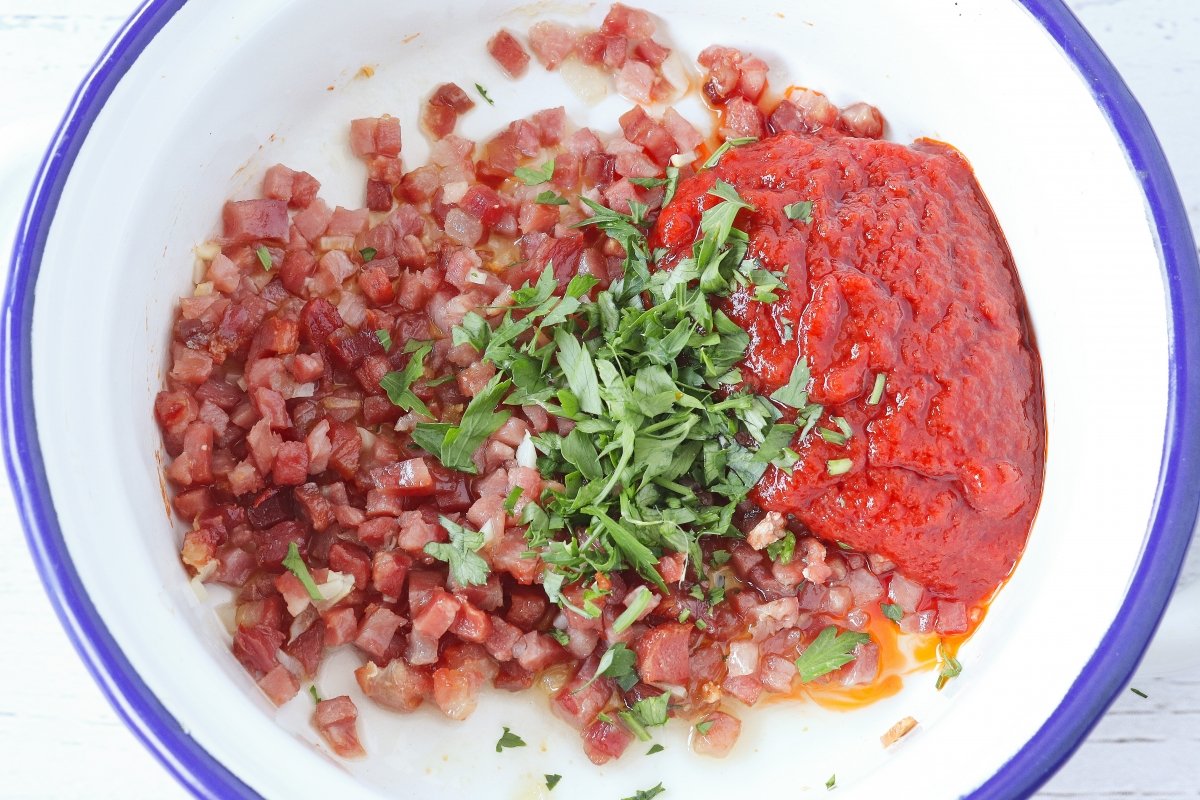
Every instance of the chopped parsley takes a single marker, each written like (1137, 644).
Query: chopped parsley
(832, 782)
(952, 668)
(385, 341)
(509, 739)
(829, 651)
(782, 550)
(398, 384)
(892, 611)
(1138, 692)
(549, 198)
(655, 748)
(618, 663)
(637, 602)
(532, 177)
(839, 466)
(551, 780)
(510, 502)
(648, 183)
(646, 794)
(720, 557)
(662, 450)
(294, 564)
(877, 389)
(467, 567)
(368, 254)
(455, 444)
(484, 94)
(704, 727)
(264, 257)
(801, 211)
(312, 689)
(560, 636)
(725, 147)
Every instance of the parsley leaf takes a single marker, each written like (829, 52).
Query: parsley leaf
(801, 211)
(385, 340)
(725, 147)
(952, 668)
(552, 781)
(294, 564)
(509, 739)
(264, 257)
(655, 748)
(532, 177)
(648, 183)
(316, 696)
(795, 393)
(397, 384)
(618, 663)
(704, 727)
(892, 611)
(467, 567)
(455, 444)
(647, 794)
(783, 550)
(832, 782)
(484, 94)
(368, 254)
(829, 651)
(549, 198)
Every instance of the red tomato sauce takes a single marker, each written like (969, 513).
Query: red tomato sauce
(902, 270)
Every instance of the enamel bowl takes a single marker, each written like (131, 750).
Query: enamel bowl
(194, 100)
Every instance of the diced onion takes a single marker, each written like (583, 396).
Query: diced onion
(526, 452)
(476, 275)
(336, 586)
(198, 588)
(207, 251)
(304, 390)
(203, 289)
(679, 159)
(743, 658)
(589, 83)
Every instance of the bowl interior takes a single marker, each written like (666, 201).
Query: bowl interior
(228, 88)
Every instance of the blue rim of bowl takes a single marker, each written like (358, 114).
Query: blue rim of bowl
(1094, 690)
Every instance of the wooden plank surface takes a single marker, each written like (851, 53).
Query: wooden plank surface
(60, 739)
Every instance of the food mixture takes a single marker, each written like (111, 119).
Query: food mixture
(682, 422)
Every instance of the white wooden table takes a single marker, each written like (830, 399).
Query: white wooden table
(58, 737)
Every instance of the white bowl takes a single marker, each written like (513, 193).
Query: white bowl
(192, 101)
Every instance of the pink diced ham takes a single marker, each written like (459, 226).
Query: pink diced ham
(336, 719)
(508, 53)
(246, 221)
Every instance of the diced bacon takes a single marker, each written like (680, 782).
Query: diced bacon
(663, 653)
(397, 686)
(604, 741)
(577, 704)
(508, 53)
(194, 464)
(313, 220)
(279, 685)
(304, 190)
(752, 78)
(551, 43)
(537, 218)
(502, 640)
(619, 195)
(632, 22)
(341, 626)
(535, 651)
(416, 532)
(951, 616)
(472, 624)
(437, 616)
(174, 411)
(686, 137)
(246, 221)
(815, 109)
(256, 647)
(640, 129)
(308, 648)
(742, 118)
(277, 183)
(192, 366)
(635, 82)
(223, 274)
(905, 593)
(746, 688)
(336, 719)
(291, 464)
(293, 592)
(861, 119)
(376, 631)
(508, 555)
(651, 52)
(719, 737)
(456, 691)
(776, 674)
